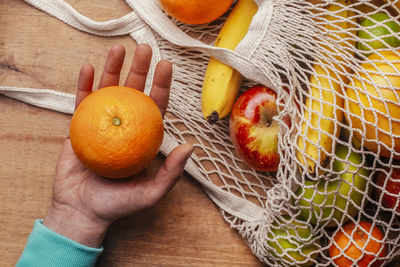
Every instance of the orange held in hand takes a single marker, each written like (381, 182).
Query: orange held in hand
(358, 244)
(196, 11)
(116, 131)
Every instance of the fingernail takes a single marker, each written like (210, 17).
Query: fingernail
(190, 149)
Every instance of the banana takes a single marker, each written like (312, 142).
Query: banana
(221, 82)
(325, 101)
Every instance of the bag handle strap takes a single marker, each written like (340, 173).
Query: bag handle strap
(154, 16)
(66, 13)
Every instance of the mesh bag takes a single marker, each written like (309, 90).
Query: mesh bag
(338, 80)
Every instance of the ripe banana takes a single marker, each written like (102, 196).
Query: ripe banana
(221, 82)
(323, 112)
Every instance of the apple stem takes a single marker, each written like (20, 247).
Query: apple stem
(267, 117)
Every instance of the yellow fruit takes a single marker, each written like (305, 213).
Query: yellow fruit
(374, 103)
(323, 114)
(221, 82)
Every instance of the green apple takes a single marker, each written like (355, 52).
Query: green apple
(378, 31)
(293, 242)
(330, 202)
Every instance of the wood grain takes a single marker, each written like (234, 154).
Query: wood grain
(39, 51)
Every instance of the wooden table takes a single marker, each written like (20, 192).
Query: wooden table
(39, 51)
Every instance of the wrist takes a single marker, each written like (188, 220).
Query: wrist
(75, 225)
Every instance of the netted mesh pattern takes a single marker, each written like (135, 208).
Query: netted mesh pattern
(336, 78)
(327, 176)
(215, 154)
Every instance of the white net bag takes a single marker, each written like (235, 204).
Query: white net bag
(336, 71)
(345, 108)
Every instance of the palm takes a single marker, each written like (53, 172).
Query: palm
(106, 199)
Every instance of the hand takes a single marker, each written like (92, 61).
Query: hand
(83, 204)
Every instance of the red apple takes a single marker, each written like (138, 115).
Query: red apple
(391, 190)
(253, 129)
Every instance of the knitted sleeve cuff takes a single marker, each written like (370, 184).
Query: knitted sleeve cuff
(48, 248)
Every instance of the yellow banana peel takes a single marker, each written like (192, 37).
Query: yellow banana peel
(221, 82)
(323, 112)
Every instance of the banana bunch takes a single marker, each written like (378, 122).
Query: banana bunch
(325, 102)
(221, 82)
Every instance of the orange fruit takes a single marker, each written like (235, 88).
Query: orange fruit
(196, 11)
(116, 131)
(360, 242)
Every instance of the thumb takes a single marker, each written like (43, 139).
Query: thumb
(170, 172)
(175, 162)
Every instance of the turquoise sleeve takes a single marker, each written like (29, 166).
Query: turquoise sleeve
(48, 248)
